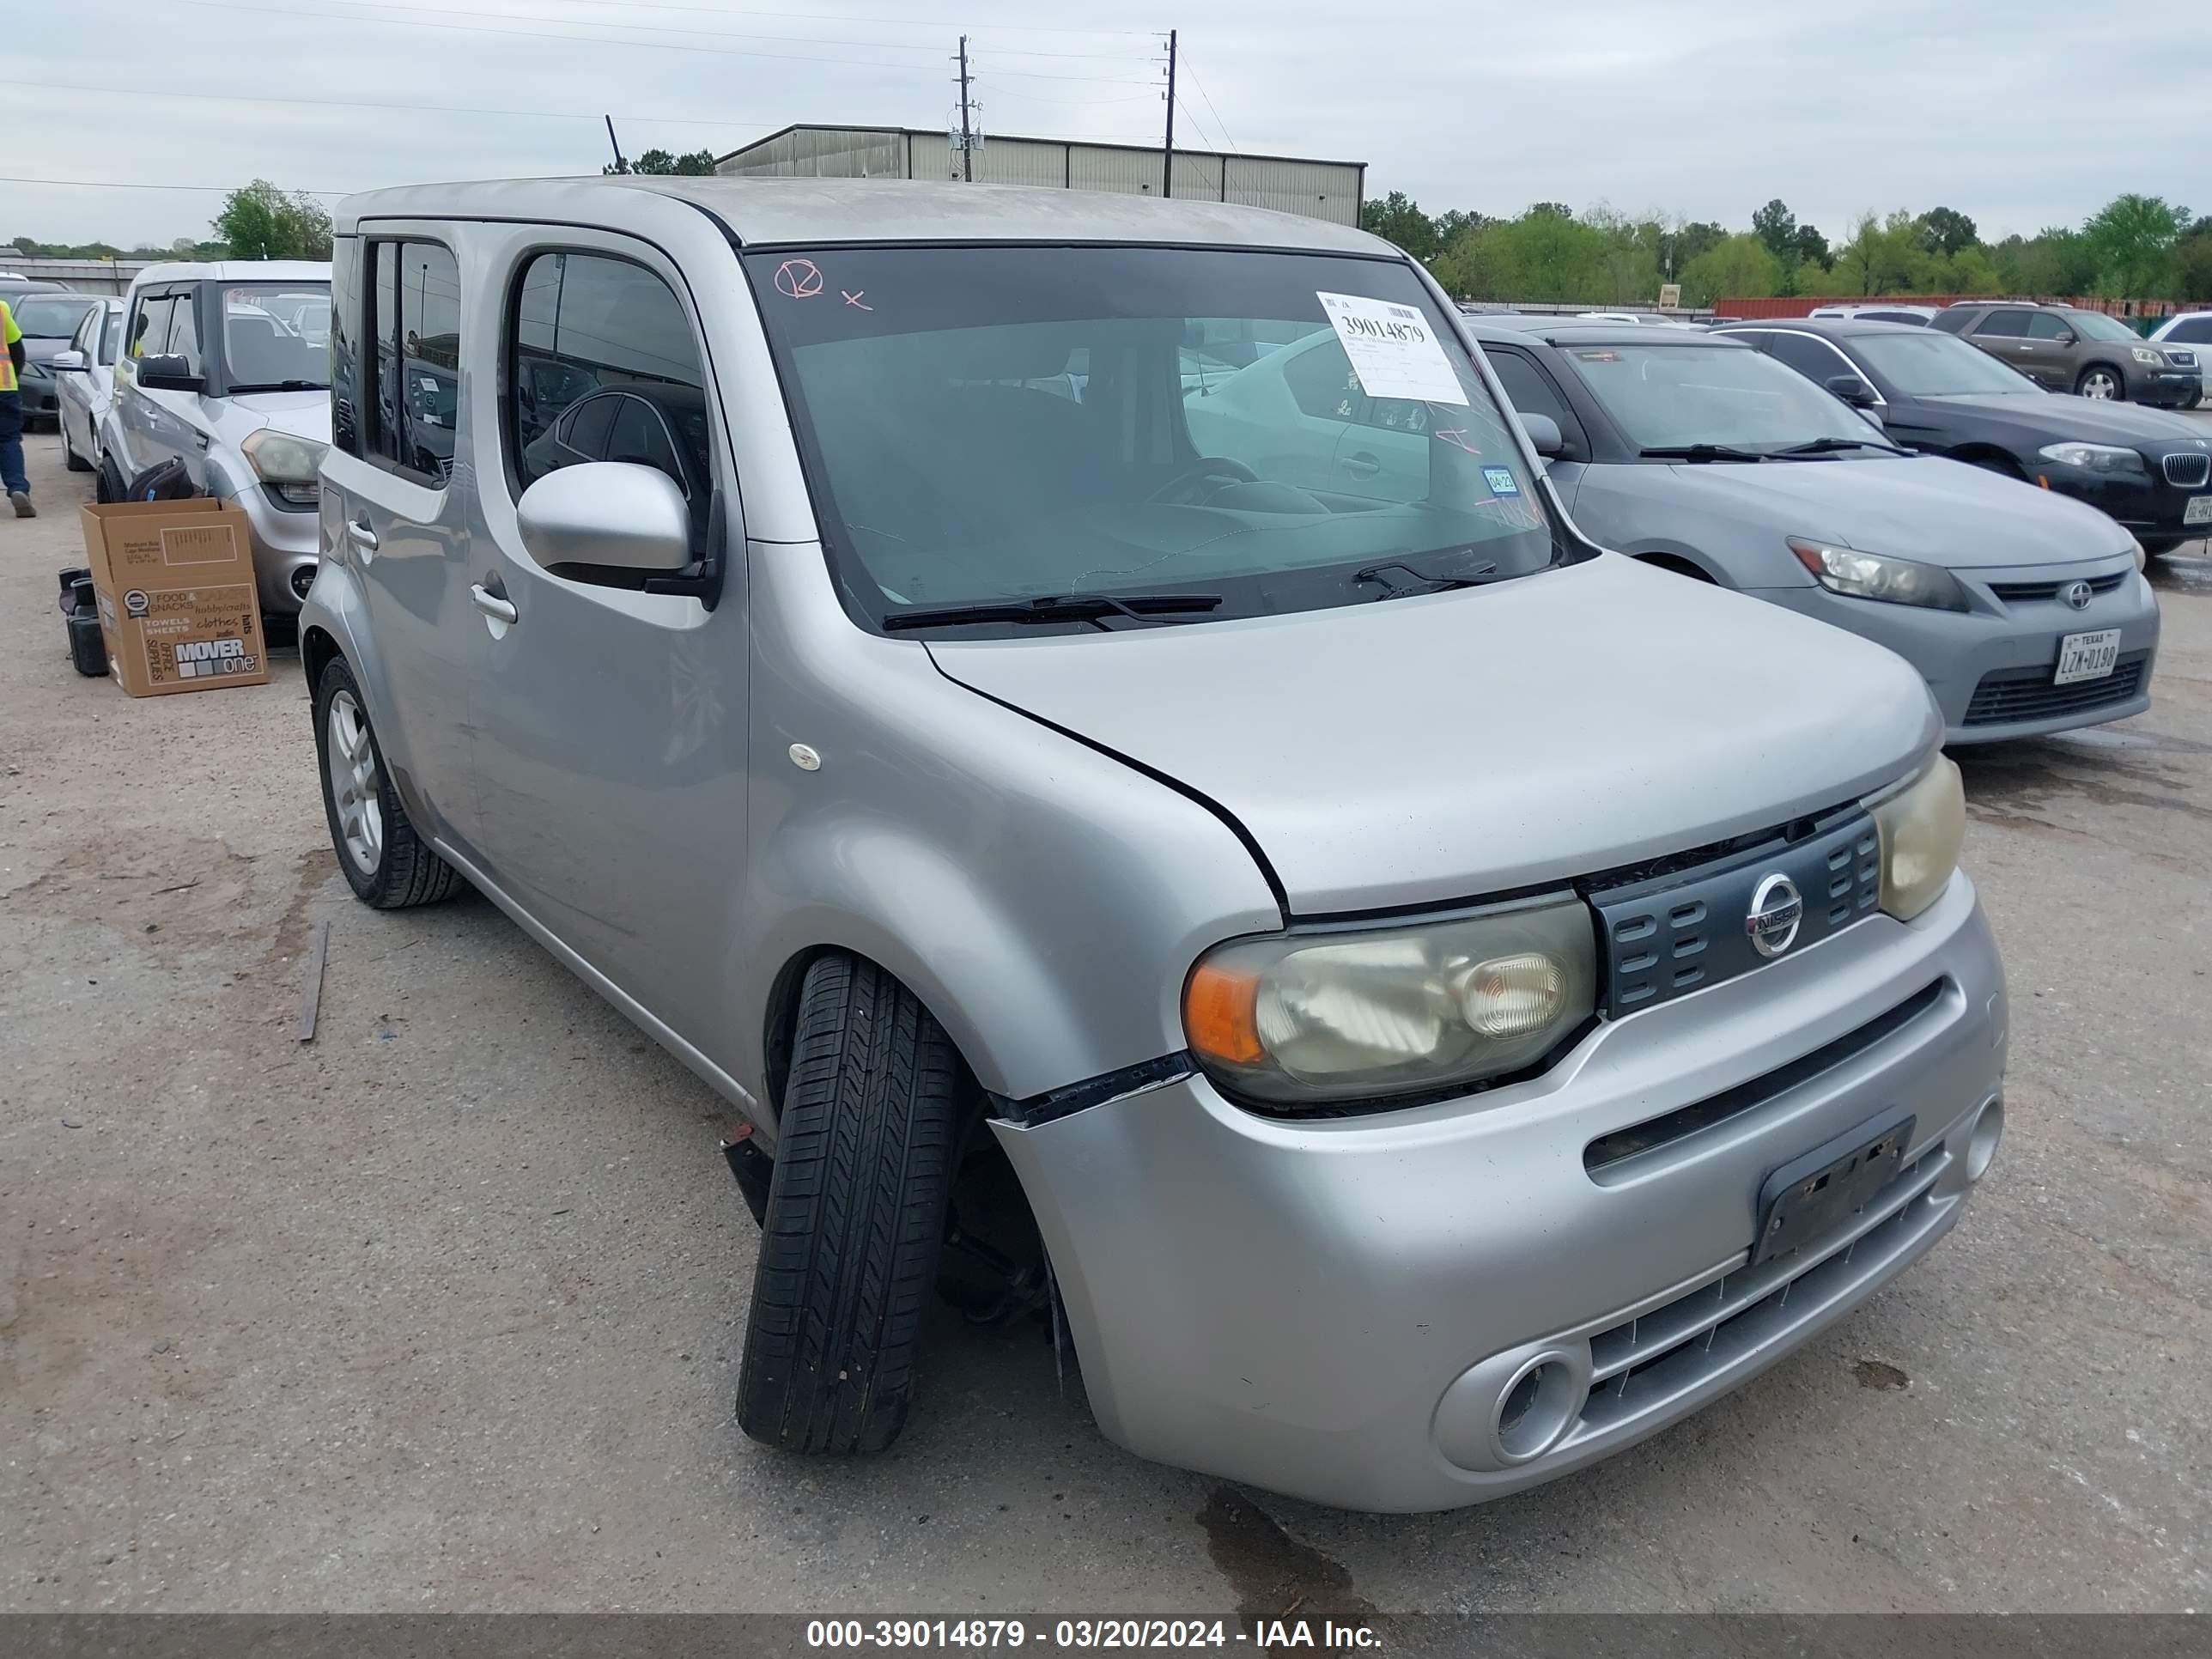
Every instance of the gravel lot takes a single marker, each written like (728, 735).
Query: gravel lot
(443, 1311)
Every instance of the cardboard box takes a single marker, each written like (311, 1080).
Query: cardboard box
(177, 610)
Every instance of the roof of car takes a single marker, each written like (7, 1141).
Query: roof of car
(1577, 331)
(234, 271)
(1839, 328)
(772, 211)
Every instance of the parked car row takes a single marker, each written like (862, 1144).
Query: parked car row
(221, 366)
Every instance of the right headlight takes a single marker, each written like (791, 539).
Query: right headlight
(2096, 458)
(1922, 827)
(1310, 1018)
(1878, 576)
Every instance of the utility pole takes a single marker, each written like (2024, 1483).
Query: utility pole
(1167, 149)
(621, 166)
(966, 138)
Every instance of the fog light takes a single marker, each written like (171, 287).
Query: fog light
(1981, 1144)
(1537, 1407)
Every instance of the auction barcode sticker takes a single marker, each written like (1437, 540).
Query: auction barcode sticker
(1393, 350)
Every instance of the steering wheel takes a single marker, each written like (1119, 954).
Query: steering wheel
(1178, 488)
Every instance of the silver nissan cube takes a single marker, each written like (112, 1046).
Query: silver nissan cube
(1419, 1002)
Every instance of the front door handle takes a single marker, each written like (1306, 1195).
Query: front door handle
(1362, 466)
(360, 535)
(492, 606)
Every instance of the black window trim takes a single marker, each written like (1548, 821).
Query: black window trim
(1851, 365)
(703, 579)
(369, 415)
(1579, 445)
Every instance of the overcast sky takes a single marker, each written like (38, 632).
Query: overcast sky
(2018, 113)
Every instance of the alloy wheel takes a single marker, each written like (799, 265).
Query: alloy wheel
(350, 761)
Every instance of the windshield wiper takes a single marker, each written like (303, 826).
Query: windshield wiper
(1472, 576)
(282, 385)
(1830, 445)
(1702, 453)
(1056, 607)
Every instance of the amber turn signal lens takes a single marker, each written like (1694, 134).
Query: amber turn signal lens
(1217, 1008)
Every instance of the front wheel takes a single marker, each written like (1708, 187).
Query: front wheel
(386, 863)
(2101, 383)
(866, 1152)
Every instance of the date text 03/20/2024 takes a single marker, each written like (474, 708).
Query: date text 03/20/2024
(1264, 1635)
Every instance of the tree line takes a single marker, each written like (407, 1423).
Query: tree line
(2136, 247)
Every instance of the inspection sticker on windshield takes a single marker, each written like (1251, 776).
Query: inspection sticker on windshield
(1500, 481)
(1392, 349)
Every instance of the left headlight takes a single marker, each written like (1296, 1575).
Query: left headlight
(2145, 354)
(1877, 576)
(1307, 1019)
(286, 463)
(1922, 827)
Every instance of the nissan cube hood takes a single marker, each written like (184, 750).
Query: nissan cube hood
(1426, 750)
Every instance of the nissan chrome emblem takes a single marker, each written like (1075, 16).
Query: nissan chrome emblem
(1776, 910)
(2075, 594)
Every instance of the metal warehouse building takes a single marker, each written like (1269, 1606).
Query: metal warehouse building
(1319, 190)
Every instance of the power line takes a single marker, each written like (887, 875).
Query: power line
(816, 17)
(379, 17)
(115, 184)
(361, 103)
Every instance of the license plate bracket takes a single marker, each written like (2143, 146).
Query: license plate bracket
(2198, 510)
(1811, 1196)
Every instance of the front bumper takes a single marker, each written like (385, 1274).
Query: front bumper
(287, 545)
(2168, 388)
(1327, 1308)
(37, 396)
(1994, 649)
(2143, 501)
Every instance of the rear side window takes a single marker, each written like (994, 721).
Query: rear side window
(185, 332)
(587, 322)
(414, 320)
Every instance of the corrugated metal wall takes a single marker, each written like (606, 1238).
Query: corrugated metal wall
(1318, 189)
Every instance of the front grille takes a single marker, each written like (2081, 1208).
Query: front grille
(2186, 472)
(2181, 359)
(2022, 593)
(1684, 931)
(1622, 1145)
(1642, 1365)
(2026, 693)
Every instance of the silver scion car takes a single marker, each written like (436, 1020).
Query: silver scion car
(226, 366)
(2024, 611)
(1426, 1002)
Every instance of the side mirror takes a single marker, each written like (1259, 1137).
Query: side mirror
(606, 515)
(66, 362)
(1852, 390)
(169, 374)
(1544, 435)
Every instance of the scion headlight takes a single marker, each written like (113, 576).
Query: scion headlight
(2096, 458)
(285, 463)
(1308, 1019)
(1877, 576)
(1922, 826)
(2145, 354)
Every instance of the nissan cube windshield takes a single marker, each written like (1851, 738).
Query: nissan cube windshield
(1081, 437)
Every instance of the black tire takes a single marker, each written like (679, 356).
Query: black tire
(71, 458)
(870, 1137)
(108, 486)
(404, 870)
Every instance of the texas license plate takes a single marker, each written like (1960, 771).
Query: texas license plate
(1808, 1199)
(2086, 656)
(2198, 511)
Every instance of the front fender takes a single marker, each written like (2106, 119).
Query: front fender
(1045, 899)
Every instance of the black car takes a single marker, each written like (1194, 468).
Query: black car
(2150, 470)
(47, 319)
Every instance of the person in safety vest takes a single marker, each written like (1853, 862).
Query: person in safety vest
(11, 418)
